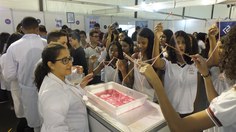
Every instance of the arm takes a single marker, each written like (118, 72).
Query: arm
(9, 70)
(92, 59)
(195, 122)
(108, 41)
(160, 63)
(214, 56)
(203, 69)
(98, 68)
(125, 70)
(86, 80)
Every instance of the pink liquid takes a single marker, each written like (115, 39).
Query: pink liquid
(114, 97)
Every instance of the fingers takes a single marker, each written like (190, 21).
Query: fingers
(196, 58)
(143, 69)
(93, 58)
(86, 80)
(79, 69)
(158, 27)
(213, 31)
(90, 75)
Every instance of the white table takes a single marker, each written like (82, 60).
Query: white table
(147, 117)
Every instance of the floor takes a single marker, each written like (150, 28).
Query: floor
(8, 120)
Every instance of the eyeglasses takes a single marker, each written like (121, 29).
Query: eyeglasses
(66, 60)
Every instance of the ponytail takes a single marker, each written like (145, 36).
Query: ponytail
(40, 72)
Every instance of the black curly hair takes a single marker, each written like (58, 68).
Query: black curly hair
(228, 56)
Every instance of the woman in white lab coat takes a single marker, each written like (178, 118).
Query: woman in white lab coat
(61, 104)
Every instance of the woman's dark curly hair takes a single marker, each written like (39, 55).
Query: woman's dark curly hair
(228, 56)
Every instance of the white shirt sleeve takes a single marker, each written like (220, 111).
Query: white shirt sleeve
(222, 109)
(102, 56)
(201, 44)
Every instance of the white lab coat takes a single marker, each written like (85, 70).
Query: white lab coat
(4, 84)
(12, 86)
(61, 106)
(22, 56)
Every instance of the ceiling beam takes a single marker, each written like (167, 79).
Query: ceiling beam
(108, 11)
(86, 3)
(191, 17)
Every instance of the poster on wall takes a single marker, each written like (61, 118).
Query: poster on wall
(58, 23)
(225, 26)
(92, 21)
(70, 16)
(141, 24)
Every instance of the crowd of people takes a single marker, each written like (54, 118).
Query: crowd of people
(38, 67)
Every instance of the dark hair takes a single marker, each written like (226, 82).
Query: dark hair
(147, 33)
(130, 42)
(97, 25)
(29, 23)
(168, 33)
(124, 32)
(188, 49)
(228, 59)
(194, 44)
(137, 27)
(3, 39)
(82, 32)
(42, 28)
(64, 27)
(120, 52)
(201, 36)
(92, 32)
(18, 28)
(13, 37)
(50, 53)
(120, 55)
(76, 30)
(75, 35)
(55, 35)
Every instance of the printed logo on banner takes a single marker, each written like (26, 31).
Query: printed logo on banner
(58, 22)
(7, 21)
(226, 26)
(226, 29)
(141, 24)
(92, 21)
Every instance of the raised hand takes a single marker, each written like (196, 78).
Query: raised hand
(213, 31)
(148, 71)
(201, 64)
(110, 29)
(158, 30)
(86, 80)
(93, 59)
(78, 68)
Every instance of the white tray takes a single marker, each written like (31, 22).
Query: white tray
(139, 98)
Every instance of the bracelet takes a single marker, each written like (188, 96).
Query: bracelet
(205, 76)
